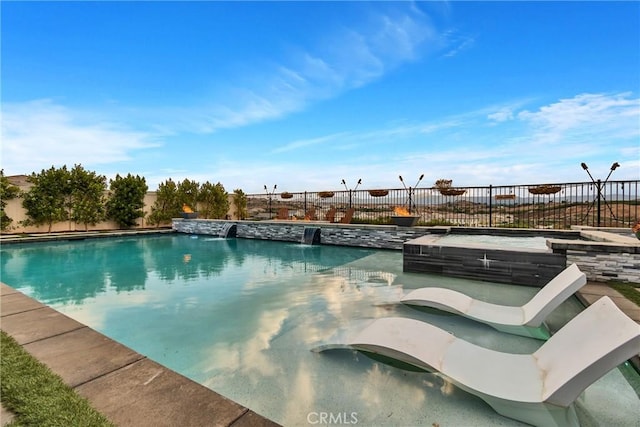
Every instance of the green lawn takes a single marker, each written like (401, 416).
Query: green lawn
(628, 290)
(37, 396)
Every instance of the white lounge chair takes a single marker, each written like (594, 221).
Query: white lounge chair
(536, 388)
(526, 320)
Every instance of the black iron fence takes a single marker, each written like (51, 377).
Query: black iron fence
(559, 206)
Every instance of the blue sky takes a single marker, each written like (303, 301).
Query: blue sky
(305, 94)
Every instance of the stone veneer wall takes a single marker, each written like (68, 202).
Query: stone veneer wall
(366, 236)
(604, 255)
(601, 261)
(602, 267)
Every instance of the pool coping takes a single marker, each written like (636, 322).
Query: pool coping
(78, 235)
(125, 386)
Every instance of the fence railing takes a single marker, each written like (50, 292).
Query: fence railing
(559, 206)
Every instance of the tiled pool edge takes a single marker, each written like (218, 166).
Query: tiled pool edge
(125, 386)
(8, 238)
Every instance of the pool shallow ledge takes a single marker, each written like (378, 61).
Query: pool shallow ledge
(125, 386)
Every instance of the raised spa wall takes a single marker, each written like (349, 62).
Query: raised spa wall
(602, 255)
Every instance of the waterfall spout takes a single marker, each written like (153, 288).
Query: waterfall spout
(311, 236)
(228, 230)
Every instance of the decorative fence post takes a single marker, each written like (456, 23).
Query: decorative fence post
(490, 205)
(270, 196)
(350, 190)
(599, 189)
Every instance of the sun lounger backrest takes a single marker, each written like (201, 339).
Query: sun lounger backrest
(590, 345)
(553, 294)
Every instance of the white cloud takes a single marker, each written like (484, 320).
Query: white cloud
(351, 57)
(502, 115)
(459, 43)
(541, 144)
(545, 144)
(587, 116)
(303, 143)
(38, 134)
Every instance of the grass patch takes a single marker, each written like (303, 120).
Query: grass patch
(37, 396)
(628, 290)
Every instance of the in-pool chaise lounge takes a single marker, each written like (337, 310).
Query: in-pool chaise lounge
(537, 388)
(527, 320)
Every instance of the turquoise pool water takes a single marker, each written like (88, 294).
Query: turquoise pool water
(240, 317)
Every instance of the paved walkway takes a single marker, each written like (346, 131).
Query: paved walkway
(592, 291)
(125, 386)
(132, 390)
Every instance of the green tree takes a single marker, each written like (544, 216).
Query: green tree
(167, 204)
(47, 201)
(126, 200)
(214, 201)
(240, 203)
(8, 191)
(87, 196)
(188, 194)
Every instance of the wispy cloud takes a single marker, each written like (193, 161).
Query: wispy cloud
(540, 142)
(497, 144)
(38, 134)
(350, 57)
(305, 143)
(585, 116)
(42, 132)
(457, 43)
(501, 115)
(511, 143)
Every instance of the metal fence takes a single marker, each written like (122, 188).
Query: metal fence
(559, 206)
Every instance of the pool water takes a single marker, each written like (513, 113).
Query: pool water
(240, 317)
(502, 242)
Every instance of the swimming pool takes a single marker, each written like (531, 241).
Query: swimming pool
(241, 315)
